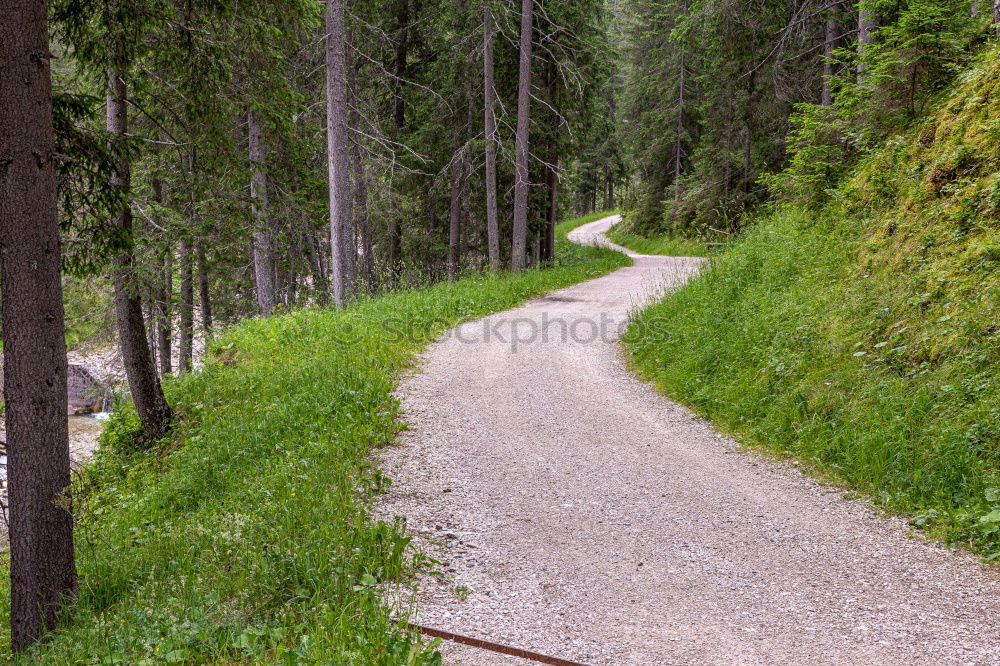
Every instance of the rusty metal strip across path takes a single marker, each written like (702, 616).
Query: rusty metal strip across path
(494, 647)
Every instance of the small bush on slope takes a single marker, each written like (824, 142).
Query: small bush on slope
(247, 537)
(865, 338)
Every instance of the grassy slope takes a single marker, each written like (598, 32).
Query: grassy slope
(865, 338)
(662, 245)
(247, 537)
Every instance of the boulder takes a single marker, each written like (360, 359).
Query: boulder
(84, 392)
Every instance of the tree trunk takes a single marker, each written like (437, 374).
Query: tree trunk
(748, 123)
(399, 122)
(162, 297)
(609, 189)
(351, 162)
(42, 568)
(279, 276)
(364, 228)
(337, 149)
(996, 11)
(521, 184)
(293, 258)
(315, 252)
(829, 44)
(263, 261)
(402, 49)
(164, 314)
(203, 293)
(144, 385)
(679, 128)
(185, 348)
(467, 224)
(150, 319)
(551, 173)
(360, 177)
(490, 128)
(455, 219)
(553, 211)
(866, 26)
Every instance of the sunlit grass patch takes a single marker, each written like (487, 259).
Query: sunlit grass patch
(665, 245)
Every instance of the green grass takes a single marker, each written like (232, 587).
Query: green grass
(864, 337)
(779, 343)
(564, 228)
(248, 537)
(663, 245)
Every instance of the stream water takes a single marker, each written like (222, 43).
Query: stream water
(84, 430)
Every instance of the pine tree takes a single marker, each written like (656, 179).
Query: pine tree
(43, 571)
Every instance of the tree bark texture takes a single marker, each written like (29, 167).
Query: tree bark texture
(455, 219)
(147, 394)
(204, 296)
(679, 129)
(521, 184)
(338, 158)
(263, 260)
(866, 28)
(185, 347)
(490, 125)
(399, 123)
(162, 300)
(42, 568)
(552, 212)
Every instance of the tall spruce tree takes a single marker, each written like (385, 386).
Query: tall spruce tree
(42, 566)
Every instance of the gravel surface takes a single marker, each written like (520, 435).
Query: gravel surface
(578, 513)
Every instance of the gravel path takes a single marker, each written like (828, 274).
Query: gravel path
(578, 513)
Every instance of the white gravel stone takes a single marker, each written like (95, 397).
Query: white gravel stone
(600, 522)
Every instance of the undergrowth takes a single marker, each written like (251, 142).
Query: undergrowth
(247, 535)
(90, 311)
(666, 244)
(864, 337)
(565, 227)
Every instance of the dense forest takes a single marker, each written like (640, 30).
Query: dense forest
(745, 103)
(211, 163)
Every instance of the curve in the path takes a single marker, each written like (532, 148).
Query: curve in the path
(579, 513)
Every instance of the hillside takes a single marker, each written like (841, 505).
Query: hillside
(247, 535)
(863, 337)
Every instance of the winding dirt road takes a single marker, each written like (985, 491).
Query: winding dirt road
(580, 514)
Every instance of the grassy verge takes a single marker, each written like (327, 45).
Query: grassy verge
(247, 537)
(662, 245)
(564, 228)
(863, 337)
(874, 383)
